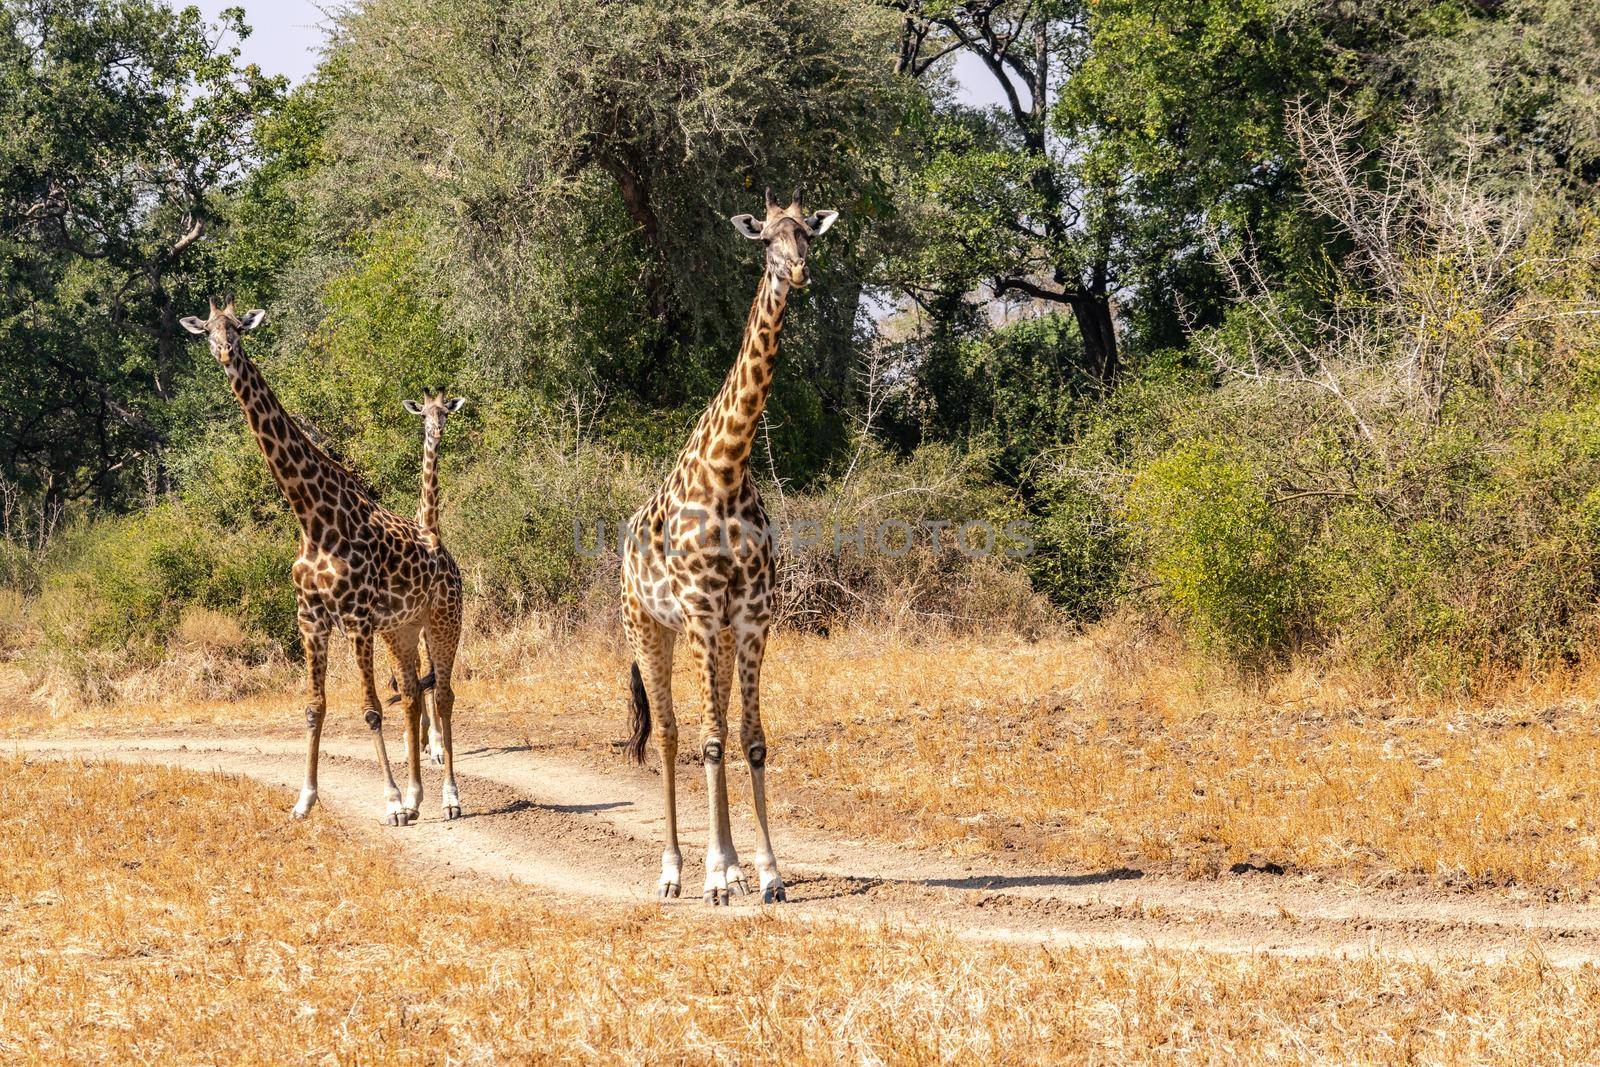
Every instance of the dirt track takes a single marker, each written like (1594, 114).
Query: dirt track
(594, 834)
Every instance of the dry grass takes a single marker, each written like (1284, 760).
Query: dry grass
(128, 935)
(1081, 752)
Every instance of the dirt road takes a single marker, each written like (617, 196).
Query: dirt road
(594, 834)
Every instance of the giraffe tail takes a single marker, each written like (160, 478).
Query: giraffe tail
(638, 717)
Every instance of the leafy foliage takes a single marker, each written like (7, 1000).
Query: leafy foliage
(1275, 317)
(124, 125)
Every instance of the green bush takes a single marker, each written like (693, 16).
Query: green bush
(1083, 559)
(1491, 559)
(522, 520)
(1218, 551)
(121, 585)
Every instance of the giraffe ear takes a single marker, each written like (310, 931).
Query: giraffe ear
(412, 406)
(454, 404)
(252, 319)
(747, 225)
(818, 223)
(193, 323)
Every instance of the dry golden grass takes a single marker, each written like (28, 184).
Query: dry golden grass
(1083, 752)
(155, 916)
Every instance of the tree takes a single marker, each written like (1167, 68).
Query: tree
(575, 165)
(1013, 210)
(121, 121)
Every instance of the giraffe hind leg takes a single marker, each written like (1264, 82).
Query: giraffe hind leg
(723, 874)
(651, 644)
(733, 873)
(394, 810)
(444, 637)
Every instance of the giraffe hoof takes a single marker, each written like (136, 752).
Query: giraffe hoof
(774, 894)
(737, 886)
(716, 897)
(452, 812)
(408, 816)
(668, 891)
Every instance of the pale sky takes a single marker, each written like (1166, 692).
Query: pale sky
(286, 35)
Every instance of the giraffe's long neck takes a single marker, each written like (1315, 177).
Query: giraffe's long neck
(309, 478)
(726, 432)
(428, 504)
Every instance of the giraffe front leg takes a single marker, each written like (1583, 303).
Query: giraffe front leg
(723, 876)
(752, 646)
(315, 640)
(394, 810)
(403, 646)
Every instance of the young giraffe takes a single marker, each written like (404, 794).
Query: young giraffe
(698, 561)
(361, 568)
(434, 409)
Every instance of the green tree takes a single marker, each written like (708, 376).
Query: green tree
(1011, 209)
(575, 169)
(123, 123)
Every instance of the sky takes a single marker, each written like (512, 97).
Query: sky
(286, 36)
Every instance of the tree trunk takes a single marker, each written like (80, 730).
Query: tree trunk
(661, 304)
(1098, 329)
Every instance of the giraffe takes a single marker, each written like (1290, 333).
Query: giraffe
(434, 408)
(361, 568)
(697, 561)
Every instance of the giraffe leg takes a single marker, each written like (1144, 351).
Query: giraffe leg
(737, 884)
(315, 639)
(652, 655)
(403, 646)
(433, 728)
(705, 643)
(444, 636)
(393, 809)
(752, 647)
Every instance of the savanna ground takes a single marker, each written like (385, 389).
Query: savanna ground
(129, 932)
(1082, 751)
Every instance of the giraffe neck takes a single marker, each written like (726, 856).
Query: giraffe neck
(726, 432)
(428, 504)
(311, 481)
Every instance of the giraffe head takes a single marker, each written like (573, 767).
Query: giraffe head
(434, 407)
(222, 326)
(788, 232)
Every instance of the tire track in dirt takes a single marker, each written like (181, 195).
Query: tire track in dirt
(595, 835)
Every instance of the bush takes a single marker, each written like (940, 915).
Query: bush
(523, 520)
(862, 545)
(1084, 559)
(121, 587)
(1492, 561)
(1219, 553)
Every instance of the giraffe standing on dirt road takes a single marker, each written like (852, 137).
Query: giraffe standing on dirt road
(698, 561)
(434, 408)
(362, 569)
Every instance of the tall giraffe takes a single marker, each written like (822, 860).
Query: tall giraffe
(698, 561)
(434, 409)
(361, 568)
